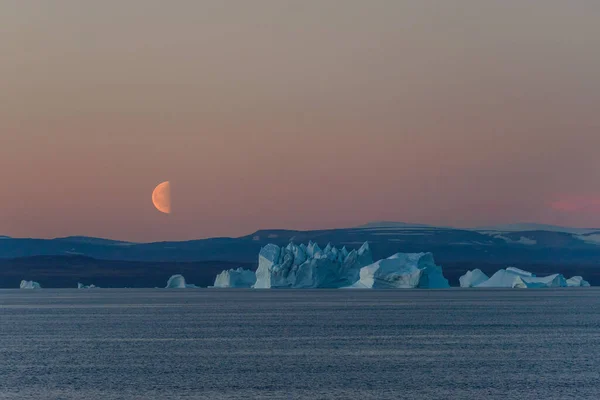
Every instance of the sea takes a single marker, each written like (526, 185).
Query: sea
(300, 344)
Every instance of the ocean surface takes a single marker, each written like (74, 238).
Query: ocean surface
(300, 344)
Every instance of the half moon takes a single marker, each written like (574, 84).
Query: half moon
(161, 197)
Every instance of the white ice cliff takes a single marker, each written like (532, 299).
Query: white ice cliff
(473, 278)
(403, 270)
(178, 282)
(301, 266)
(235, 278)
(29, 285)
(517, 278)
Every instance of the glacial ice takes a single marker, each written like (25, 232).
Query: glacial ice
(178, 282)
(473, 278)
(403, 270)
(235, 278)
(517, 278)
(29, 285)
(309, 266)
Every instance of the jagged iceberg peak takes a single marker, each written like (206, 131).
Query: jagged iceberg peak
(29, 285)
(235, 278)
(402, 271)
(309, 266)
(473, 278)
(178, 282)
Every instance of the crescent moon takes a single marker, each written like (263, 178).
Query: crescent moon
(161, 197)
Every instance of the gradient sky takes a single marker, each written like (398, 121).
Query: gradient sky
(296, 114)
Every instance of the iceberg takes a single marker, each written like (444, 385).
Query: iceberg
(82, 286)
(178, 282)
(29, 285)
(309, 266)
(517, 278)
(472, 278)
(551, 281)
(577, 281)
(519, 272)
(403, 270)
(505, 278)
(235, 278)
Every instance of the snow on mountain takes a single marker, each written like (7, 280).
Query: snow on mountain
(525, 227)
(592, 238)
(309, 266)
(235, 278)
(29, 285)
(402, 270)
(392, 224)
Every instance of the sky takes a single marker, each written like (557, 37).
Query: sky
(298, 114)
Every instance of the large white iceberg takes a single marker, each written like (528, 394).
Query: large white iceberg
(301, 266)
(517, 278)
(235, 278)
(178, 282)
(403, 270)
(29, 285)
(473, 278)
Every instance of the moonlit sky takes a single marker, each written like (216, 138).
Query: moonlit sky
(296, 114)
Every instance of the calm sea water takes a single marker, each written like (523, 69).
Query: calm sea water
(300, 344)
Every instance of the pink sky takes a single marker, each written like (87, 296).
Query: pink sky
(299, 114)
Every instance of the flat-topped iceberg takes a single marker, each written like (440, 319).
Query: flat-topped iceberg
(178, 282)
(517, 278)
(29, 285)
(473, 278)
(235, 278)
(403, 270)
(309, 266)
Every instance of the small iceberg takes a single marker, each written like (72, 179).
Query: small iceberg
(178, 282)
(577, 281)
(235, 278)
(29, 285)
(82, 286)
